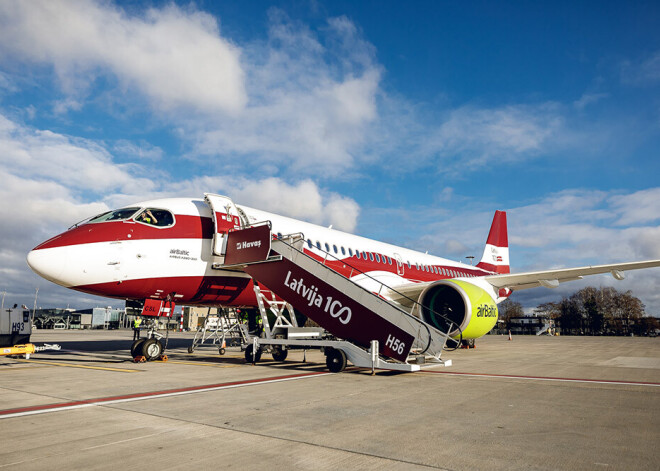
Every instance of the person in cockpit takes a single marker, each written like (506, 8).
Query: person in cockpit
(147, 217)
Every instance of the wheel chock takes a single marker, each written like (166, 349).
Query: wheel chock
(162, 358)
(139, 359)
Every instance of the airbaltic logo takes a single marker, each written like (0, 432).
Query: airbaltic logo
(311, 294)
(248, 245)
(486, 310)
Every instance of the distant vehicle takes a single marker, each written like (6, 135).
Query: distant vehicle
(168, 247)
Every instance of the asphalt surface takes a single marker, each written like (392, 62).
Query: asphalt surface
(530, 403)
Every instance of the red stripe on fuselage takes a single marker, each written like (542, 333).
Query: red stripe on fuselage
(186, 227)
(352, 266)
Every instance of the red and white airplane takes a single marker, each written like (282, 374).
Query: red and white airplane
(167, 247)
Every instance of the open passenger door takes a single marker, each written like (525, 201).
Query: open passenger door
(226, 216)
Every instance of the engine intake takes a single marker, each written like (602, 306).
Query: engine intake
(450, 305)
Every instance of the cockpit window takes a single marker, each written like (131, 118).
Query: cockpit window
(116, 215)
(155, 217)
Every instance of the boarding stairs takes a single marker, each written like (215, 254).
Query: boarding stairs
(373, 331)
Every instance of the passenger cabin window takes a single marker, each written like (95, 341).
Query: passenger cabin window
(389, 260)
(327, 247)
(117, 215)
(378, 258)
(318, 245)
(155, 217)
(334, 248)
(309, 243)
(279, 235)
(371, 256)
(350, 251)
(343, 250)
(357, 254)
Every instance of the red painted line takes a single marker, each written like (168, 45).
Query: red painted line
(545, 378)
(153, 394)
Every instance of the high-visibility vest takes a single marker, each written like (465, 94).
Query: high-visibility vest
(136, 323)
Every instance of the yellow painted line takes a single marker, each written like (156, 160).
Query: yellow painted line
(178, 362)
(71, 365)
(14, 368)
(217, 355)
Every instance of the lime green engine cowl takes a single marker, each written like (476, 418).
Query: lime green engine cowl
(451, 303)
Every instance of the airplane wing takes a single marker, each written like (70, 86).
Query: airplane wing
(552, 278)
(405, 294)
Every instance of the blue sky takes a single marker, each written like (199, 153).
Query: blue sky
(405, 124)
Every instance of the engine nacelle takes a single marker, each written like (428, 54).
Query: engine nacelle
(468, 306)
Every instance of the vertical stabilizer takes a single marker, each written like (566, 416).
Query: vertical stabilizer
(496, 253)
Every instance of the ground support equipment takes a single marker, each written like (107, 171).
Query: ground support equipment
(342, 307)
(338, 352)
(220, 329)
(27, 349)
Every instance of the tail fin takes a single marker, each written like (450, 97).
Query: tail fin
(496, 253)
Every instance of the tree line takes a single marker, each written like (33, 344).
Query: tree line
(591, 311)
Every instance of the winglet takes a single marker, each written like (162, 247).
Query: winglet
(496, 253)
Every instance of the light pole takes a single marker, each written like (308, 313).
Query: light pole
(34, 310)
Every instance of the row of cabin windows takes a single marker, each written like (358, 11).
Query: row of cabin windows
(385, 260)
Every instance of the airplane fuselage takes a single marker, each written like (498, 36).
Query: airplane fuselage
(130, 259)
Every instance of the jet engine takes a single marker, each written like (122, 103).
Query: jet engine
(450, 305)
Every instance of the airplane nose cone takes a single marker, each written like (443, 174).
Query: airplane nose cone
(48, 263)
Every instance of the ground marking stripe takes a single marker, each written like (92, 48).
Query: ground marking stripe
(71, 365)
(546, 378)
(212, 365)
(22, 411)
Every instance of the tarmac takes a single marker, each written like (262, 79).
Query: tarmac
(556, 403)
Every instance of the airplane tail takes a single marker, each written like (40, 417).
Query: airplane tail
(496, 253)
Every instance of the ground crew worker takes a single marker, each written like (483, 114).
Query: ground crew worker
(136, 328)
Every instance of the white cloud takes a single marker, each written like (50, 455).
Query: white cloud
(141, 150)
(78, 163)
(175, 57)
(306, 113)
(588, 99)
(641, 72)
(507, 134)
(640, 207)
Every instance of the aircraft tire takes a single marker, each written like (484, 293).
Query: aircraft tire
(279, 354)
(336, 360)
(248, 354)
(136, 348)
(152, 349)
(191, 349)
(221, 351)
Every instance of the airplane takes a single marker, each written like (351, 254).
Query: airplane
(167, 249)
